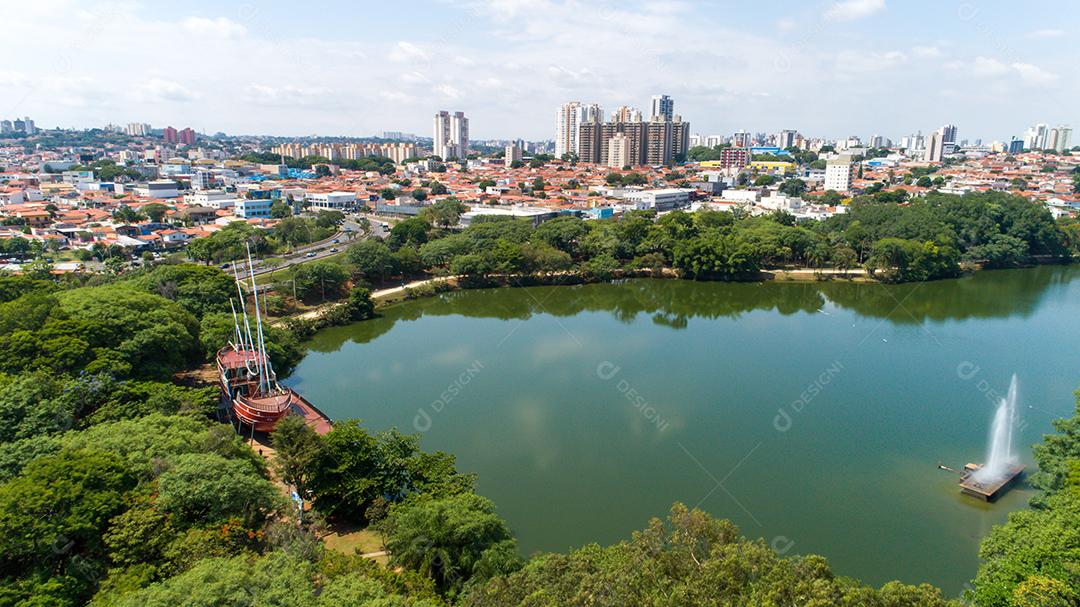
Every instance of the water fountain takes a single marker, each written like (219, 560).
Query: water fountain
(1002, 466)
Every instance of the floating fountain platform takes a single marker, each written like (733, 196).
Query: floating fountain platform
(990, 489)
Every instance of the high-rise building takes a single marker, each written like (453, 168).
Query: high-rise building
(6, 126)
(840, 172)
(1016, 146)
(138, 129)
(625, 113)
(169, 135)
(786, 139)
(734, 158)
(657, 142)
(1064, 134)
(451, 138)
(948, 133)
(186, 136)
(741, 139)
(935, 151)
(618, 154)
(513, 154)
(568, 119)
(663, 107)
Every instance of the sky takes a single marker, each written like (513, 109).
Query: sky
(828, 68)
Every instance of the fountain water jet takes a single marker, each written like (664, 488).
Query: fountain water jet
(1002, 466)
(1000, 457)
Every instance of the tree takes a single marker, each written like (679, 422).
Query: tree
(715, 255)
(444, 213)
(438, 189)
(296, 447)
(924, 182)
(52, 516)
(689, 559)
(203, 488)
(793, 187)
(343, 478)
(388, 193)
(372, 259)
(280, 209)
(361, 307)
(412, 231)
(419, 195)
(765, 180)
(324, 279)
(155, 211)
(447, 539)
(125, 214)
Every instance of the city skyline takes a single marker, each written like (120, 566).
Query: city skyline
(829, 68)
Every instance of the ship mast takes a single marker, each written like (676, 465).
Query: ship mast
(249, 345)
(264, 375)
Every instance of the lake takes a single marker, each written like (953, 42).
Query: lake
(813, 415)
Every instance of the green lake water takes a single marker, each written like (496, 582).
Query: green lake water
(812, 415)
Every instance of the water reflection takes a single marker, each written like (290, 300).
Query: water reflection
(672, 303)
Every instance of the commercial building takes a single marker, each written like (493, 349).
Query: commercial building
(840, 172)
(253, 208)
(162, 188)
(659, 200)
(451, 138)
(330, 200)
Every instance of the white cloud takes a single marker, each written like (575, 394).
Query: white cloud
(286, 95)
(866, 62)
(926, 52)
(407, 52)
(448, 91)
(988, 66)
(159, 90)
(1033, 74)
(218, 28)
(786, 24)
(1047, 33)
(849, 10)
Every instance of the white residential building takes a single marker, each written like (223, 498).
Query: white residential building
(451, 138)
(840, 172)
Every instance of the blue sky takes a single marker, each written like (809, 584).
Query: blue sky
(826, 67)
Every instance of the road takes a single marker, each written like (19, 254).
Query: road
(350, 231)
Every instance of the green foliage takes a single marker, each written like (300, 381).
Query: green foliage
(360, 305)
(692, 559)
(372, 259)
(203, 488)
(229, 243)
(320, 280)
(353, 468)
(279, 579)
(716, 255)
(451, 540)
(199, 289)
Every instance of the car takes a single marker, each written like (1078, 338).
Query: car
(334, 250)
(311, 254)
(336, 240)
(225, 266)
